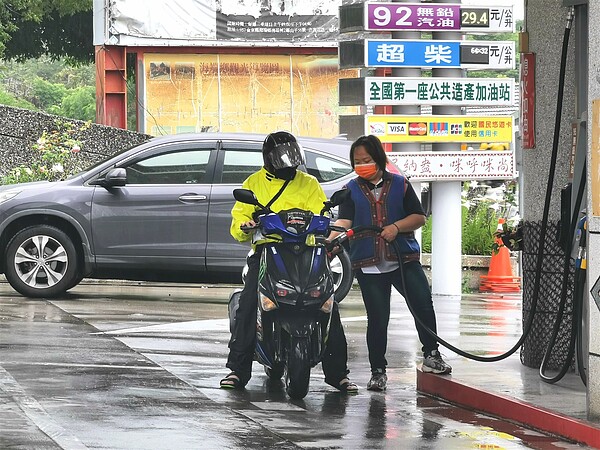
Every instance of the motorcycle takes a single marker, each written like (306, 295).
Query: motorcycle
(296, 290)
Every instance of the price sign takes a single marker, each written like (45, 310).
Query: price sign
(474, 17)
(439, 53)
(437, 16)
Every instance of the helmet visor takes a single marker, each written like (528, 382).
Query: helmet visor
(286, 154)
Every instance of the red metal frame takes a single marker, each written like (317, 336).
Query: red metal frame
(111, 86)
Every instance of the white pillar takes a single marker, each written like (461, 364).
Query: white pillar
(446, 238)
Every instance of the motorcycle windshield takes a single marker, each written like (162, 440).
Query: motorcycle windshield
(294, 225)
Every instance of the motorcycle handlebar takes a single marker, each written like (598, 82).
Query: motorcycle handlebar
(346, 234)
(246, 229)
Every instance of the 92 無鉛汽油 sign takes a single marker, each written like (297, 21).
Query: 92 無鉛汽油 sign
(438, 17)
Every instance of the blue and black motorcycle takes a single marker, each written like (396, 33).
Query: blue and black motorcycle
(296, 290)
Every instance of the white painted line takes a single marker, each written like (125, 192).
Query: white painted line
(206, 325)
(277, 406)
(364, 318)
(194, 326)
(37, 414)
(100, 366)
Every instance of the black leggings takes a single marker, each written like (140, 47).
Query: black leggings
(376, 292)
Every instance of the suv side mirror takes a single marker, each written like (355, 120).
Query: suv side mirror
(115, 178)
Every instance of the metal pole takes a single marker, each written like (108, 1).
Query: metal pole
(446, 239)
(412, 110)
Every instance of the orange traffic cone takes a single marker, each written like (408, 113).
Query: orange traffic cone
(500, 277)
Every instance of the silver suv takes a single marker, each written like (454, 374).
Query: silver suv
(159, 211)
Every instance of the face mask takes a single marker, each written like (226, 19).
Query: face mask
(366, 171)
(286, 173)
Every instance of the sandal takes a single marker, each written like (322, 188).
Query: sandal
(345, 385)
(231, 381)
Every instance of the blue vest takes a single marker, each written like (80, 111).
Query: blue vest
(365, 249)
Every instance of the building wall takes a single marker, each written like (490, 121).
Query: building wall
(545, 22)
(260, 93)
(593, 272)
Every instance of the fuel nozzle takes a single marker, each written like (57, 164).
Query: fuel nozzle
(570, 17)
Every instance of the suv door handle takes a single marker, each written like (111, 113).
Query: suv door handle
(192, 197)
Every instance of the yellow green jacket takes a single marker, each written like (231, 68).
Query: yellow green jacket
(303, 192)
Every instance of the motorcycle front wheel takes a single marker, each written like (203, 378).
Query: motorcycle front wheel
(343, 277)
(297, 375)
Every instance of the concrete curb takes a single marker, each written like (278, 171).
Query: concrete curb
(508, 408)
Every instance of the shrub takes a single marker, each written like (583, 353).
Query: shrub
(482, 206)
(57, 152)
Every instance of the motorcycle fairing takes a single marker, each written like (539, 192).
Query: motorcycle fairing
(284, 270)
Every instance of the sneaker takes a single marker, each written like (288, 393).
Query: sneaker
(378, 381)
(433, 363)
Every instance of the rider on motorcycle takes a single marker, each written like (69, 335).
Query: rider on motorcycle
(279, 185)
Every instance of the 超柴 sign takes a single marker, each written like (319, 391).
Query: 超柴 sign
(395, 128)
(439, 53)
(439, 91)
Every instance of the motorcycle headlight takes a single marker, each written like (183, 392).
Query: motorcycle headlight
(7, 195)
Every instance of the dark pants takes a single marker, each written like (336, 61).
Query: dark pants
(243, 336)
(376, 291)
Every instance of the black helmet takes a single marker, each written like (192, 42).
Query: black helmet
(281, 151)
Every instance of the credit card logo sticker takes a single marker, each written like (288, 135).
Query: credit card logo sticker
(397, 128)
(438, 128)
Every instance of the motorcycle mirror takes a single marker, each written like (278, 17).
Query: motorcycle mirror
(246, 196)
(339, 197)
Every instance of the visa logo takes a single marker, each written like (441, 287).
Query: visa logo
(397, 128)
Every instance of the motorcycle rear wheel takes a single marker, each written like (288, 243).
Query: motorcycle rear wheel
(297, 375)
(276, 372)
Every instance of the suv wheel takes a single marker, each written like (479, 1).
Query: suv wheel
(41, 261)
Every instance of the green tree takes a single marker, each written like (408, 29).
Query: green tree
(47, 94)
(79, 103)
(59, 28)
(52, 86)
(9, 99)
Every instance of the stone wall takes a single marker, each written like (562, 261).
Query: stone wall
(21, 128)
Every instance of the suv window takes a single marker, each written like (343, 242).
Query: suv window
(183, 167)
(324, 168)
(239, 165)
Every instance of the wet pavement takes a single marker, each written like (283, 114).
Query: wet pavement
(137, 366)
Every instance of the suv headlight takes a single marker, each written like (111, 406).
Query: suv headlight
(7, 195)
